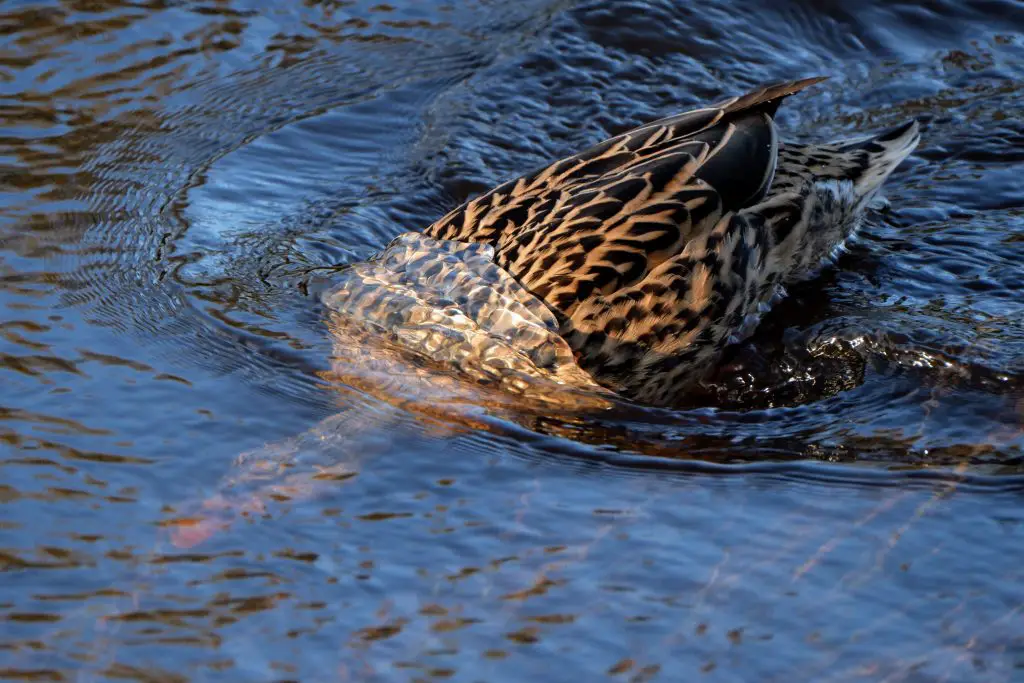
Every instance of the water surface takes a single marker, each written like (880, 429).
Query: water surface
(842, 503)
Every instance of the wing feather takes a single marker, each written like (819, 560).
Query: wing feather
(628, 210)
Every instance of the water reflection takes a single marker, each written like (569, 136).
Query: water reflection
(876, 552)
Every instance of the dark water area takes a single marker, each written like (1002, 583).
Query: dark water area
(845, 501)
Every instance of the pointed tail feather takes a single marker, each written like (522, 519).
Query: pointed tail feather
(767, 98)
(884, 151)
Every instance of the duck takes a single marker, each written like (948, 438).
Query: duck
(643, 258)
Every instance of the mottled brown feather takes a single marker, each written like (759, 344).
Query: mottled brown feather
(654, 249)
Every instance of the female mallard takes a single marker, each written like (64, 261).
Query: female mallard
(630, 266)
(643, 257)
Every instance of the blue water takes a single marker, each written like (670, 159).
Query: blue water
(187, 496)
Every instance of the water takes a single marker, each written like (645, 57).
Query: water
(844, 503)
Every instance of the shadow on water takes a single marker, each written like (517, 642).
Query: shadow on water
(840, 502)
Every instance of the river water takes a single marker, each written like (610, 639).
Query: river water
(843, 502)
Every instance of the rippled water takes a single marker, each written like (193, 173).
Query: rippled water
(180, 179)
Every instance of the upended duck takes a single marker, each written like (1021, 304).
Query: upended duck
(632, 265)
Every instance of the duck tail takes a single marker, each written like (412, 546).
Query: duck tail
(880, 155)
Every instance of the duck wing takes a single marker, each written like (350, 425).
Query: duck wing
(606, 218)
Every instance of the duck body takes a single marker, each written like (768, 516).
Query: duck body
(646, 255)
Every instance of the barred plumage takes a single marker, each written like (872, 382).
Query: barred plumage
(647, 254)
